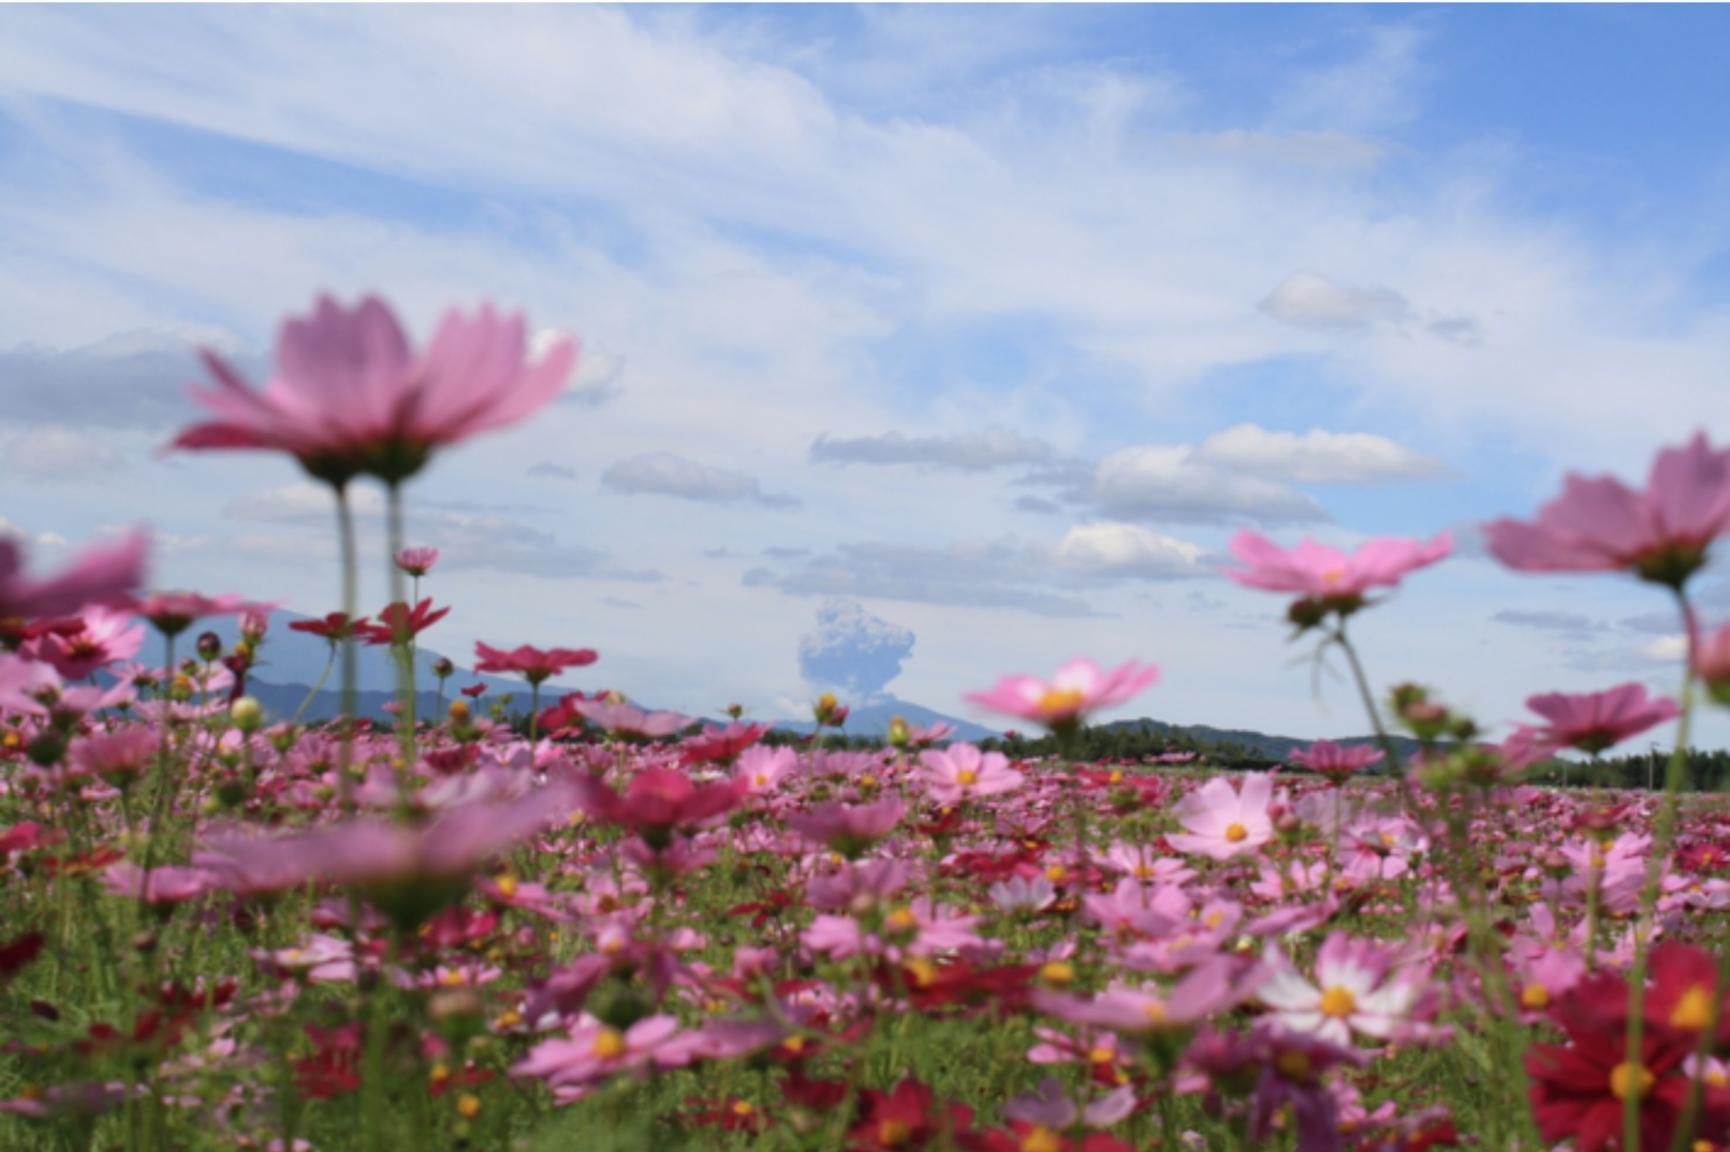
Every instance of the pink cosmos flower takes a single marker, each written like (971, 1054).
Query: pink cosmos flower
(627, 720)
(721, 745)
(1122, 1007)
(593, 1052)
(1080, 688)
(105, 636)
(1362, 990)
(349, 395)
(655, 802)
(1326, 579)
(1589, 721)
(105, 574)
(1712, 663)
(174, 612)
(760, 768)
(962, 772)
(1599, 524)
(533, 664)
(399, 620)
(417, 561)
(1224, 822)
(1334, 761)
(118, 757)
(849, 829)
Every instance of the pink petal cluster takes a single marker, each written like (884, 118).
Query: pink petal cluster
(1079, 689)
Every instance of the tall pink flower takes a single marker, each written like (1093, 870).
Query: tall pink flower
(1590, 722)
(417, 561)
(1326, 579)
(1223, 822)
(174, 612)
(350, 396)
(1712, 662)
(1599, 524)
(105, 574)
(532, 664)
(103, 637)
(1079, 689)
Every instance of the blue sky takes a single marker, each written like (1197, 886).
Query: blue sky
(995, 322)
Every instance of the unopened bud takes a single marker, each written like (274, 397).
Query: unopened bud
(247, 714)
(209, 646)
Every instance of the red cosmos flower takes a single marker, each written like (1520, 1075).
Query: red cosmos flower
(1579, 1089)
(334, 1068)
(474, 691)
(721, 745)
(533, 664)
(905, 1118)
(333, 626)
(16, 954)
(656, 802)
(397, 618)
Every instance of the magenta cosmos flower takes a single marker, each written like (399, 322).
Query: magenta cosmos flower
(532, 664)
(1222, 821)
(849, 828)
(1590, 722)
(350, 396)
(105, 574)
(655, 802)
(1712, 663)
(1599, 524)
(1080, 688)
(1335, 761)
(1326, 579)
(174, 612)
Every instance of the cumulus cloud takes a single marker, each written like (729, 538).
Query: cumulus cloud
(135, 380)
(979, 452)
(547, 470)
(1112, 549)
(1315, 457)
(61, 454)
(853, 651)
(667, 474)
(1311, 299)
(1168, 482)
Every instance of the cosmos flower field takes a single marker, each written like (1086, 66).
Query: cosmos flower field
(592, 924)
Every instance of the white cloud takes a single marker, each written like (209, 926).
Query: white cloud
(977, 452)
(61, 454)
(1309, 298)
(1666, 649)
(668, 474)
(1167, 482)
(1315, 457)
(1112, 549)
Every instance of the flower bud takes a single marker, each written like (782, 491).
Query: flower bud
(247, 714)
(443, 668)
(209, 646)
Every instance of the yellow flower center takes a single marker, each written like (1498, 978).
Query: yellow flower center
(1333, 575)
(609, 1044)
(1061, 701)
(1041, 1139)
(761, 779)
(1056, 873)
(742, 1108)
(1100, 1054)
(468, 1106)
(967, 777)
(1057, 972)
(508, 1019)
(1293, 1065)
(1627, 1078)
(1534, 997)
(900, 920)
(923, 971)
(794, 1044)
(867, 781)
(1116, 776)
(1154, 1013)
(507, 885)
(1338, 1002)
(1693, 1011)
(1236, 833)
(453, 978)
(894, 1133)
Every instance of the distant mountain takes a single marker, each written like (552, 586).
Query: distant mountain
(873, 720)
(1257, 743)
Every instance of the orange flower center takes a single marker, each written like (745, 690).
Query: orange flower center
(894, 1133)
(1041, 1139)
(609, 1044)
(966, 777)
(1061, 701)
(1534, 996)
(1338, 1002)
(1693, 1010)
(1627, 1078)
(1236, 833)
